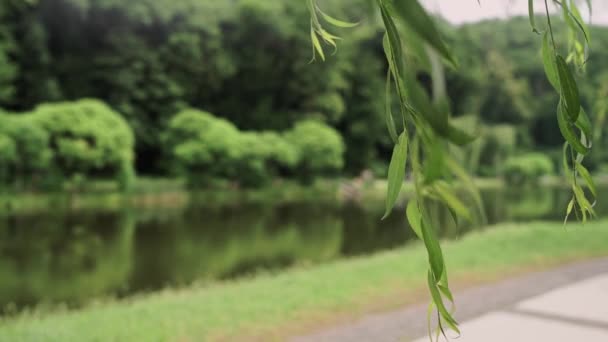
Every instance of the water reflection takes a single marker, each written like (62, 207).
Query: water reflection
(71, 256)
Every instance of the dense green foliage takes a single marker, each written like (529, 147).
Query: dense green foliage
(66, 141)
(207, 149)
(527, 168)
(150, 59)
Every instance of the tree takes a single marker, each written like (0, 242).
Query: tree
(425, 129)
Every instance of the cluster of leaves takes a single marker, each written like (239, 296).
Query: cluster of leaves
(61, 141)
(574, 123)
(206, 149)
(423, 130)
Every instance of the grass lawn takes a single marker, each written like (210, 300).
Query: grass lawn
(271, 306)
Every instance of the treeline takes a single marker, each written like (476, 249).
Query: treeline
(247, 62)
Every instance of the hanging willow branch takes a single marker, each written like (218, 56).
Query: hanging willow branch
(422, 129)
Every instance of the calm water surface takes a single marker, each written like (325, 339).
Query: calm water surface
(72, 256)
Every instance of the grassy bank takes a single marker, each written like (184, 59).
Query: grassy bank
(273, 305)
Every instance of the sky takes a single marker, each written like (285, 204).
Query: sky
(464, 11)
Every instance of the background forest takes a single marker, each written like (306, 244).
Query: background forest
(224, 90)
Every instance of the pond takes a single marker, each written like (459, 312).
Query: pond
(62, 255)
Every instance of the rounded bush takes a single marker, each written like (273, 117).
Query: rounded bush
(204, 148)
(320, 148)
(87, 137)
(527, 168)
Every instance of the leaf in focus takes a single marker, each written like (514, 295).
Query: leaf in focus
(584, 124)
(414, 218)
(433, 248)
(569, 89)
(439, 303)
(578, 19)
(316, 44)
(335, 22)
(569, 210)
(568, 132)
(390, 121)
(587, 177)
(396, 173)
(549, 62)
(531, 16)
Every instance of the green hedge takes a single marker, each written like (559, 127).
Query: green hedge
(206, 149)
(69, 140)
(527, 168)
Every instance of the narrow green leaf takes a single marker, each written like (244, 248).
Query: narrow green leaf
(531, 16)
(417, 19)
(567, 131)
(582, 201)
(334, 21)
(569, 210)
(390, 121)
(584, 124)
(436, 296)
(414, 218)
(569, 89)
(452, 201)
(549, 62)
(565, 159)
(587, 177)
(578, 19)
(433, 249)
(396, 173)
(316, 44)
(468, 183)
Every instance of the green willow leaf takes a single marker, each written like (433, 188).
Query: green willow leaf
(565, 159)
(568, 132)
(436, 296)
(395, 50)
(578, 19)
(335, 22)
(443, 285)
(414, 218)
(569, 89)
(584, 124)
(396, 173)
(390, 121)
(451, 200)
(569, 210)
(468, 183)
(531, 16)
(417, 19)
(549, 62)
(582, 201)
(316, 44)
(587, 177)
(433, 248)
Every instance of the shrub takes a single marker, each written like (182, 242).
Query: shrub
(204, 148)
(320, 147)
(31, 143)
(527, 168)
(88, 138)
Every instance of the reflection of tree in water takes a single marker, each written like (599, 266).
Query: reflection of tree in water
(365, 232)
(63, 257)
(221, 242)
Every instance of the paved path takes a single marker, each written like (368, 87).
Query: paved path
(562, 305)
